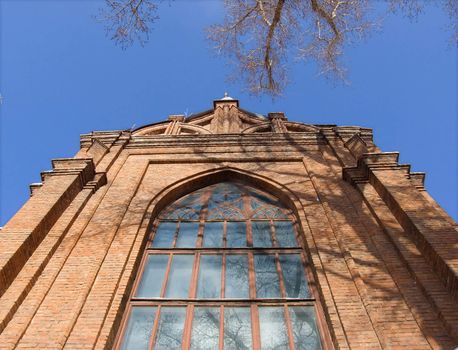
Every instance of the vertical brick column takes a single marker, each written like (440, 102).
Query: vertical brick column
(61, 306)
(24, 232)
(435, 238)
(432, 305)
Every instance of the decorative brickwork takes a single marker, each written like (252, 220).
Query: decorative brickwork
(383, 255)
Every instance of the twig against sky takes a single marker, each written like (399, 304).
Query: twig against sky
(261, 36)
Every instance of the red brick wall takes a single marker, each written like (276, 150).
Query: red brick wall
(384, 254)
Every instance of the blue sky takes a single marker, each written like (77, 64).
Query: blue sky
(60, 76)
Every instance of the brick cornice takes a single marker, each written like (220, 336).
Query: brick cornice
(99, 180)
(346, 132)
(107, 138)
(210, 140)
(349, 131)
(418, 180)
(369, 161)
(83, 167)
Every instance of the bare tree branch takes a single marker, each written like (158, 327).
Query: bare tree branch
(260, 35)
(127, 21)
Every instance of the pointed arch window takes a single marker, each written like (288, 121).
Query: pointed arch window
(224, 268)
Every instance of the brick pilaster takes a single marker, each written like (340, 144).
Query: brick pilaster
(24, 232)
(277, 121)
(433, 236)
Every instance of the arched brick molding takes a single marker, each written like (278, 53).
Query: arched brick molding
(190, 184)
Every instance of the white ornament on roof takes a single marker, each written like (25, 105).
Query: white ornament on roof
(226, 97)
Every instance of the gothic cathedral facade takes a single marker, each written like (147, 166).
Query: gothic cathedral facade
(229, 230)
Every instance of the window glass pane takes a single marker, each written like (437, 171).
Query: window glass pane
(213, 234)
(170, 329)
(304, 328)
(266, 207)
(267, 282)
(284, 232)
(268, 212)
(293, 276)
(260, 199)
(165, 234)
(225, 192)
(236, 234)
(209, 283)
(187, 235)
(226, 202)
(153, 276)
(139, 328)
(205, 328)
(273, 328)
(227, 211)
(237, 328)
(187, 208)
(236, 277)
(180, 276)
(261, 234)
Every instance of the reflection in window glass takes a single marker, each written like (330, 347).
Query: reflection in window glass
(186, 208)
(237, 328)
(170, 329)
(226, 202)
(236, 234)
(224, 193)
(180, 276)
(273, 328)
(260, 199)
(236, 276)
(139, 328)
(225, 241)
(284, 232)
(261, 234)
(267, 282)
(293, 276)
(305, 333)
(187, 235)
(153, 275)
(213, 234)
(205, 328)
(165, 234)
(209, 283)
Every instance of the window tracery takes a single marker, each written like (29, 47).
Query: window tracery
(223, 269)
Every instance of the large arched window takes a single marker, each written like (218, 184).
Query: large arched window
(224, 269)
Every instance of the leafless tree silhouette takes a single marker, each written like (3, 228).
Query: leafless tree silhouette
(260, 35)
(127, 21)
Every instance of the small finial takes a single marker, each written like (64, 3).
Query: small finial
(226, 97)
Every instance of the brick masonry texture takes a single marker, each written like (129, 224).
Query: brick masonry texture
(383, 254)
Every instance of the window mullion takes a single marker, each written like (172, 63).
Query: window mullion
(194, 277)
(221, 327)
(200, 234)
(175, 237)
(249, 233)
(255, 330)
(223, 276)
(280, 276)
(251, 276)
(274, 235)
(166, 276)
(188, 327)
(289, 327)
(155, 328)
(225, 234)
